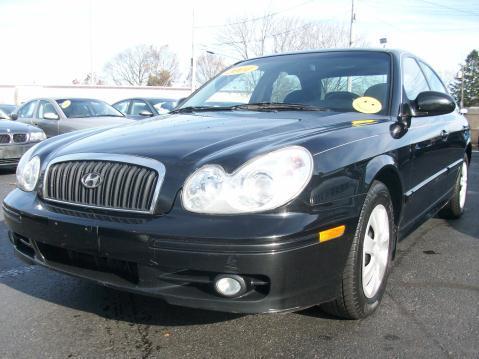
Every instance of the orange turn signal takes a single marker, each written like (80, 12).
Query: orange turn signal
(331, 233)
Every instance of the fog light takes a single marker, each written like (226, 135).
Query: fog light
(230, 285)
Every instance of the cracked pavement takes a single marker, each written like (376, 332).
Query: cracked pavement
(430, 309)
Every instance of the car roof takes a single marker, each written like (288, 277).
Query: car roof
(147, 99)
(395, 52)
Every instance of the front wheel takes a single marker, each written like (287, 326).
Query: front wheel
(367, 267)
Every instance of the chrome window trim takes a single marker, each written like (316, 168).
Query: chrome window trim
(127, 159)
(11, 138)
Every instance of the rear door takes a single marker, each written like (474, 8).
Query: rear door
(428, 150)
(42, 118)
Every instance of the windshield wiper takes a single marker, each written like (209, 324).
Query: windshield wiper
(277, 106)
(190, 109)
(257, 106)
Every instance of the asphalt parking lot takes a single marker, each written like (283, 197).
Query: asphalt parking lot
(431, 309)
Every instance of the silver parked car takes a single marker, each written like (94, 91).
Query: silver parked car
(15, 139)
(57, 116)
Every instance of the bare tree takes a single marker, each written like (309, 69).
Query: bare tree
(208, 66)
(142, 64)
(247, 37)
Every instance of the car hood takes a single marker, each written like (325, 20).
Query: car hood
(13, 126)
(185, 142)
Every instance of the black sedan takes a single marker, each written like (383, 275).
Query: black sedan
(295, 197)
(141, 108)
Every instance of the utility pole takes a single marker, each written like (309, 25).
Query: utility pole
(353, 18)
(193, 55)
(462, 87)
(90, 18)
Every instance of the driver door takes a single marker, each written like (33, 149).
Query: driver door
(44, 118)
(428, 150)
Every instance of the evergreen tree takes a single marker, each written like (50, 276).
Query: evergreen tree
(470, 72)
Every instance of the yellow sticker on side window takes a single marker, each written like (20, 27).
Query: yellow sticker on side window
(240, 70)
(366, 104)
(65, 104)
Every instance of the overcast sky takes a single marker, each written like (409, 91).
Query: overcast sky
(49, 41)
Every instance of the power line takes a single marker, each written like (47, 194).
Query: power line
(450, 8)
(256, 18)
(296, 29)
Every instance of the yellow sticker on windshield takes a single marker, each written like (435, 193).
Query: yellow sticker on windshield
(240, 70)
(65, 104)
(366, 104)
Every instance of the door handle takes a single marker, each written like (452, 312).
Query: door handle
(444, 135)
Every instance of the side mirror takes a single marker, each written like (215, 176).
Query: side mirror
(50, 116)
(146, 113)
(432, 103)
(14, 116)
(463, 111)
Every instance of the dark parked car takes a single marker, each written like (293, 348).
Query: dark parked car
(15, 140)
(295, 197)
(62, 115)
(6, 111)
(141, 108)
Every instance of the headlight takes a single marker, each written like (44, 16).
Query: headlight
(28, 171)
(264, 183)
(37, 136)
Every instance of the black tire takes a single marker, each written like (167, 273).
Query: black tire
(351, 302)
(453, 209)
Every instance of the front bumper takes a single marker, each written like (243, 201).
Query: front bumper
(177, 256)
(10, 154)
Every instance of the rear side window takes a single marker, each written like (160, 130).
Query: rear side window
(26, 111)
(414, 80)
(434, 82)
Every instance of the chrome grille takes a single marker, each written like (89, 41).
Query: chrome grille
(125, 186)
(19, 137)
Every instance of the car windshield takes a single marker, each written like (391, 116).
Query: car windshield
(163, 105)
(355, 81)
(7, 109)
(80, 108)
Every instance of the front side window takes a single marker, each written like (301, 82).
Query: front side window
(331, 81)
(81, 108)
(434, 82)
(45, 107)
(163, 105)
(138, 106)
(26, 111)
(414, 80)
(122, 106)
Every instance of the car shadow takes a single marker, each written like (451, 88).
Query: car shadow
(84, 296)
